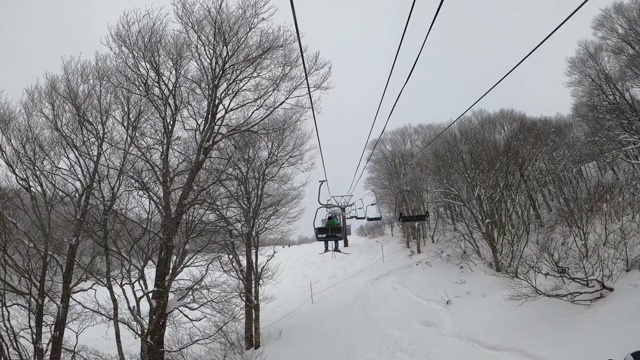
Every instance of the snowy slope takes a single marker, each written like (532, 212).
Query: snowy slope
(368, 309)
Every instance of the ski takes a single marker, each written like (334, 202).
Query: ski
(339, 252)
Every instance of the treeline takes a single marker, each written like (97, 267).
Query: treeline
(140, 187)
(552, 202)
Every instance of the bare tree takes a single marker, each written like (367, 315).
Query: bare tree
(262, 196)
(399, 177)
(212, 71)
(53, 148)
(604, 76)
(475, 175)
(385, 168)
(578, 257)
(113, 152)
(371, 230)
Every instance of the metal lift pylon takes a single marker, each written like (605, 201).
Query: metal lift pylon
(343, 202)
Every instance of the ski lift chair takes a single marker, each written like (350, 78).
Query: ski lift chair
(413, 218)
(373, 218)
(353, 214)
(325, 233)
(374, 204)
(358, 217)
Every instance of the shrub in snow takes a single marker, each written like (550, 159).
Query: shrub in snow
(590, 240)
(371, 229)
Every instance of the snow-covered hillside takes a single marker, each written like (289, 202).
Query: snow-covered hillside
(364, 308)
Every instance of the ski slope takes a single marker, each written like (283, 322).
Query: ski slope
(364, 308)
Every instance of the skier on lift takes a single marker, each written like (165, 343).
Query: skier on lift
(331, 222)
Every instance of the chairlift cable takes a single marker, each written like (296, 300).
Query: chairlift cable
(490, 89)
(501, 79)
(306, 77)
(386, 85)
(413, 67)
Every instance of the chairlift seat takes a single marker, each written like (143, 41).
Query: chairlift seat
(328, 233)
(413, 218)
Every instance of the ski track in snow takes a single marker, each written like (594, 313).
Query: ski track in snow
(450, 330)
(442, 325)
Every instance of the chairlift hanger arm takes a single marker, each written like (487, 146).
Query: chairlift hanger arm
(319, 191)
(375, 196)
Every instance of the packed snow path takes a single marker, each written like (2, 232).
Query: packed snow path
(368, 309)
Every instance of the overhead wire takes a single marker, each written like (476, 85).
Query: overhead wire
(384, 92)
(362, 197)
(584, 2)
(413, 67)
(306, 77)
(501, 79)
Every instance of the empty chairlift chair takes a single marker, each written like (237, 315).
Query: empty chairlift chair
(353, 214)
(413, 218)
(363, 217)
(377, 216)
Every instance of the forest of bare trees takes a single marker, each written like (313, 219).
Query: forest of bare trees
(130, 196)
(550, 202)
(145, 190)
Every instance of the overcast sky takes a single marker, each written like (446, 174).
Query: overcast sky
(472, 45)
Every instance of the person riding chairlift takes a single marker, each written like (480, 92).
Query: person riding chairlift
(331, 222)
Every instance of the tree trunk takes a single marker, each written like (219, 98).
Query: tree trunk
(39, 313)
(494, 256)
(532, 199)
(65, 301)
(248, 298)
(407, 237)
(114, 303)
(256, 294)
(116, 323)
(256, 311)
(435, 226)
(144, 348)
(406, 231)
(160, 296)
(57, 339)
(545, 199)
(109, 283)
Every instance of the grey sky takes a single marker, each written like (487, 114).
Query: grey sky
(472, 44)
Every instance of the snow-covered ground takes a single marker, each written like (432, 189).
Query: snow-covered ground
(364, 308)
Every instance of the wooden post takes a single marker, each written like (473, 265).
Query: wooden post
(382, 251)
(311, 289)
